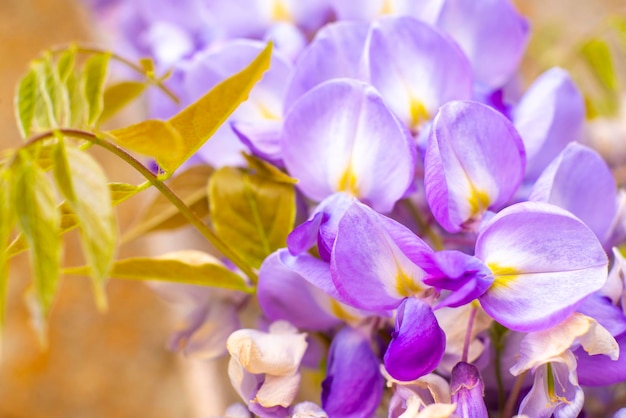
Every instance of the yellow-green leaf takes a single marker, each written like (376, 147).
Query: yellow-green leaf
(39, 220)
(197, 122)
(597, 55)
(66, 63)
(148, 66)
(619, 24)
(122, 191)
(94, 76)
(25, 100)
(252, 213)
(117, 96)
(265, 169)
(189, 267)
(7, 220)
(84, 186)
(160, 214)
(154, 138)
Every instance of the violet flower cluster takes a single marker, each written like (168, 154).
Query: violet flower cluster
(456, 238)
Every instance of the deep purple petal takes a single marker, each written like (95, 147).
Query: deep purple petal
(353, 386)
(474, 161)
(545, 262)
(340, 136)
(600, 370)
(549, 116)
(417, 344)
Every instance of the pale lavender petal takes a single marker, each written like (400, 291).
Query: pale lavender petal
(417, 344)
(416, 69)
(368, 268)
(341, 137)
(549, 116)
(262, 137)
(308, 410)
(467, 390)
(353, 386)
(545, 262)
(336, 51)
(424, 10)
(579, 181)
(491, 33)
(474, 161)
(285, 294)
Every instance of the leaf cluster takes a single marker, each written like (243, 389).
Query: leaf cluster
(51, 184)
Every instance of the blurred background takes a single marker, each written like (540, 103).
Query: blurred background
(115, 364)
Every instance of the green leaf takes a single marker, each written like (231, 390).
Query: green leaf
(94, 76)
(265, 169)
(84, 186)
(117, 96)
(122, 191)
(39, 220)
(78, 103)
(154, 138)
(7, 220)
(160, 214)
(25, 100)
(197, 122)
(66, 63)
(253, 213)
(597, 55)
(189, 267)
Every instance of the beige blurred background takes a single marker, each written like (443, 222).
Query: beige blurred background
(116, 364)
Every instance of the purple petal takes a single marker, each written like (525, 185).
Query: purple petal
(545, 262)
(337, 51)
(370, 270)
(341, 137)
(416, 69)
(549, 116)
(465, 275)
(467, 390)
(417, 344)
(285, 294)
(579, 181)
(600, 370)
(474, 161)
(491, 33)
(353, 386)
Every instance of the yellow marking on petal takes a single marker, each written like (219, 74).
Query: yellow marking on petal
(266, 113)
(405, 285)
(479, 201)
(419, 113)
(502, 275)
(340, 312)
(387, 8)
(280, 13)
(348, 182)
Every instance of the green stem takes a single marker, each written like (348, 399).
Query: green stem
(423, 225)
(168, 193)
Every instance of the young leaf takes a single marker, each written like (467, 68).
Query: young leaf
(66, 63)
(39, 220)
(189, 267)
(266, 169)
(154, 138)
(191, 187)
(84, 186)
(117, 96)
(94, 75)
(252, 212)
(597, 55)
(25, 100)
(619, 24)
(197, 122)
(148, 66)
(7, 219)
(121, 191)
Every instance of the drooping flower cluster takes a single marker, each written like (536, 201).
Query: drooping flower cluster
(456, 235)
